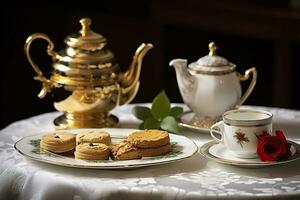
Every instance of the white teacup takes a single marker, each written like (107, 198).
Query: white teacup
(240, 129)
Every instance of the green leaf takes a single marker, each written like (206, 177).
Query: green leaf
(141, 112)
(141, 126)
(170, 124)
(160, 106)
(151, 123)
(176, 111)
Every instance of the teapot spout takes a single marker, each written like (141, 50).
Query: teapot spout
(130, 79)
(186, 81)
(184, 78)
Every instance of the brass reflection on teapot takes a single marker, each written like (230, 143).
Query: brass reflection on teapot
(90, 78)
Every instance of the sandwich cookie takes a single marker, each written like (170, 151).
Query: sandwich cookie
(93, 137)
(59, 142)
(92, 151)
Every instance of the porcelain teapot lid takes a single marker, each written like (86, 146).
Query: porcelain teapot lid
(212, 63)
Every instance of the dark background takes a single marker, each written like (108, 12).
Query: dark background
(264, 34)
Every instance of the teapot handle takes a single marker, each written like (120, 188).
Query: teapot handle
(251, 86)
(47, 84)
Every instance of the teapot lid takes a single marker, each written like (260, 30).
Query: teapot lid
(212, 63)
(86, 60)
(86, 39)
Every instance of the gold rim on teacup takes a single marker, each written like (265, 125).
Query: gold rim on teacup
(247, 122)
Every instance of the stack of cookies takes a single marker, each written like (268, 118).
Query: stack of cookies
(92, 145)
(96, 145)
(59, 142)
(140, 144)
(151, 142)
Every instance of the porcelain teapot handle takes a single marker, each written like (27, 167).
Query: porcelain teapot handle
(47, 84)
(251, 86)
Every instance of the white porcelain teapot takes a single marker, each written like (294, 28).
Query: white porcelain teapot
(210, 86)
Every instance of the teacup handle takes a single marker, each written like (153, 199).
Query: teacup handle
(47, 84)
(251, 86)
(217, 128)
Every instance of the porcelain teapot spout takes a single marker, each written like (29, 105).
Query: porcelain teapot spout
(186, 81)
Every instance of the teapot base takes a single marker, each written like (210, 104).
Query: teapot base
(192, 120)
(85, 120)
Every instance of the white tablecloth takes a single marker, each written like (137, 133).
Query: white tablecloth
(193, 178)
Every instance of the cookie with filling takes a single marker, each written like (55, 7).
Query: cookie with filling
(58, 142)
(157, 151)
(93, 137)
(92, 151)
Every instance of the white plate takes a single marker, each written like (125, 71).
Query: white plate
(186, 120)
(219, 153)
(182, 148)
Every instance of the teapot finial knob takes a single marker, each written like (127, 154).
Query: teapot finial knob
(212, 48)
(85, 23)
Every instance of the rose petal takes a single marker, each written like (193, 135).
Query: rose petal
(278, 151)
(273, 148)
(280, 136)
(263, 135)
(283, 152)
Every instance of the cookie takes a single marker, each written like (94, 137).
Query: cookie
(59, 142)
(124, 151)
(149, 138)
(156, 151)
(92, 151)
(93, 137)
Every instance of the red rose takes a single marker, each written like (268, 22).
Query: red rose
(273, 148)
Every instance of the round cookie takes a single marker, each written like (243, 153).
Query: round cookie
(149, 138)
(93, 137)
(156, 151)
(124, 151)
(59, 142)
(92, 151)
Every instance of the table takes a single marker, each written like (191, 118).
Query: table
(193, 178)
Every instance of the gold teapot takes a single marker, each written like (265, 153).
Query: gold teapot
(89, 77)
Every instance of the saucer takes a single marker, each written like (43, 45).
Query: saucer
(191, 121)
(219, 153)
